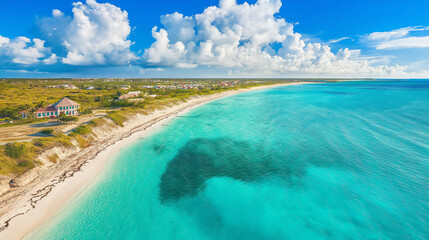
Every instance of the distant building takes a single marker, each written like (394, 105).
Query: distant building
(130, 95)
(69, 86)
(65, 105)
(66, 86)
(90, 88)
(125, 87)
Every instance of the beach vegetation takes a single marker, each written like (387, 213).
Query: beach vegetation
(117, 118)
(15, 150)
(24, 163)
(82, 142)
(68, 119)
(16, 158)
(86, 111)
(82, 130)
(97, 122)
(53, 158)
(47, 131)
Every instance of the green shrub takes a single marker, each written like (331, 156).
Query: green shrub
(97, 122)
(47, 131)
(83, 142)
(63, 139)
(41, 143)
(24, 163)
(82, 130)
(10, 112)
(116, 118)
(68, 119)
(117, 103)
(86, 111)
(15, 150)
(53, 158)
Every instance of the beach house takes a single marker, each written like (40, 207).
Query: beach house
(130, 95)
(64, 106)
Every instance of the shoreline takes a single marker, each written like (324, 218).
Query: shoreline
(39, 202)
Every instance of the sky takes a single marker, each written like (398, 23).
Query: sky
(226, 38)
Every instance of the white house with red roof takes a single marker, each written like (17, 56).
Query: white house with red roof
(65, 105)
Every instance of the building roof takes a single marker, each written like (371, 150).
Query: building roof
(40, 110)
(49, 108)
(65, 102)
(130, 95)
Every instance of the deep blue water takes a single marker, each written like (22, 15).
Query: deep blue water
(321, 161)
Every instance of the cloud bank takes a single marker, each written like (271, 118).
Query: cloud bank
(252, 38)
(241, 39)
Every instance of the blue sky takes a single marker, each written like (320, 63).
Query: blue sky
(265, 38)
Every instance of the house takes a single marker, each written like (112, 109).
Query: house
(90, 88)
(64, 106)
(66, 86)
(130, 95)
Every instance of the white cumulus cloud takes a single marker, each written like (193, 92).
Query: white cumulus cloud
(96, 34)
(250, 37)
(22, 50)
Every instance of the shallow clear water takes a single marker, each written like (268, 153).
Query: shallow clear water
(320, 161)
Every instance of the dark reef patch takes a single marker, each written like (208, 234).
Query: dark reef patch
(201, 159)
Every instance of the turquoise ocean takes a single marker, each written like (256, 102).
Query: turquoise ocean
(319, 161)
